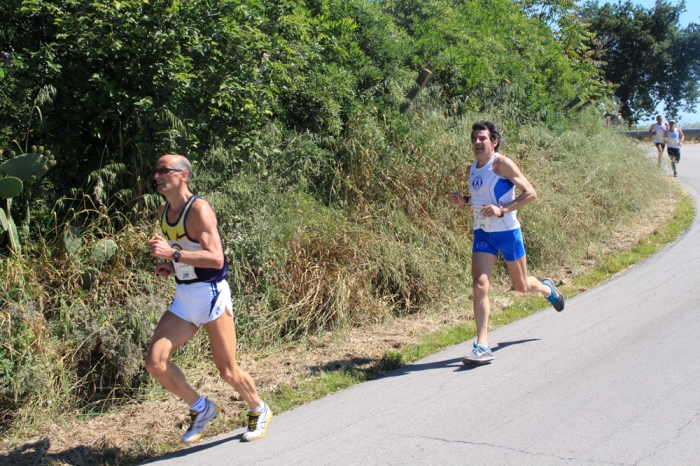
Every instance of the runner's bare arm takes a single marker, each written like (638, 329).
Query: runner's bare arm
(202, 223)
(506, 168)
(201, 227)
(680, 132)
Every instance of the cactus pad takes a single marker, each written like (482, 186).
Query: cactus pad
(4, 223)
(72, 240)
(10, 187)
(14, 237)
(4, 226)
(26, 167)
(15, 295)
(88, 278)
(103, 251)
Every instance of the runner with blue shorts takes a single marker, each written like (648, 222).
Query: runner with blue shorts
(493, 179)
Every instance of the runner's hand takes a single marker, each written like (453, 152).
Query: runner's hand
(491, 211)
(458, 199)
(165, 269)
(159, 247)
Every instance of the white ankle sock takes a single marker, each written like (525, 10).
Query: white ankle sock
(199, 405)
(260, 408)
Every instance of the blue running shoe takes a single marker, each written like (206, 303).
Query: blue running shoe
(556, 298)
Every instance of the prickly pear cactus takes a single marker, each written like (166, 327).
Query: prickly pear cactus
(14, 237)
(15, 295)
(10, 187)
(72, 240)
(30, 166)
(4, 226)
(88, 278)
(103, 251)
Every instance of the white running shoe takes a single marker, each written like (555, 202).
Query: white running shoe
(199, 421)
(480, 355)
(257, 424)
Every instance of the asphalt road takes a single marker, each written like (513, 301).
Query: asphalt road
(614, 379)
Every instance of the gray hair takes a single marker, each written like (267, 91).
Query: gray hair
(181, 163)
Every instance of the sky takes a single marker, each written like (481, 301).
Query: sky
(691, 15)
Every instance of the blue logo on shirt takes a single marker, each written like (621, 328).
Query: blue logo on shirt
(478, 181)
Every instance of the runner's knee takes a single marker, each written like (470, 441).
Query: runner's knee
(480, 286)
(155, 367)
(521, 287)
(230, 373)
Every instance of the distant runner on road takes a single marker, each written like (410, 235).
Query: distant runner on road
(492, 181)
(659, 129)
(674, 138)
(192, 247)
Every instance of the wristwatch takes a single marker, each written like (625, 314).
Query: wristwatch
(503, 212)
(176, 256)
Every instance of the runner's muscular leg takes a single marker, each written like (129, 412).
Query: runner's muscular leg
(482, 268)
(522, 282)
(171, 332)
(222, 336)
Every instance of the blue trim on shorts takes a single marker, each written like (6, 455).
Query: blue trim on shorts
(509, 243)
(215, 296)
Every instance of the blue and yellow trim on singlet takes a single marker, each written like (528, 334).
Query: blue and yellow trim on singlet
(176, 231)
(177, 237)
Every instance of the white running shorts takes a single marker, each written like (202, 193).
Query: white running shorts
(200, 303)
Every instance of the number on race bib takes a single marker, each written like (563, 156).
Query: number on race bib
(184, 271)
(481, 222)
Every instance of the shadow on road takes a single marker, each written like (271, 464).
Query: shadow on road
(393, 365)
(195, 449)
(37, 453)
(505, 344)
(499, 346)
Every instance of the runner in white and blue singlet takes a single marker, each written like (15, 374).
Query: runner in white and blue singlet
(194, 253)
(674, 138)
(493, 179)
(658, 129)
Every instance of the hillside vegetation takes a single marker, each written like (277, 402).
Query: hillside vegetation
(330, 186)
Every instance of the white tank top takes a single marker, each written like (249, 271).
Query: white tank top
(487, 188)
(674, 139)
(659, 133)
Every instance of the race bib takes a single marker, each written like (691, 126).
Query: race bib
(184, 271)
(481, 222)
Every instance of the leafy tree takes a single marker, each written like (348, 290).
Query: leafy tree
(136, 79)
(471, 46)
(648, 56)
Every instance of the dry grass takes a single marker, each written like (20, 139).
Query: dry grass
(118, 438)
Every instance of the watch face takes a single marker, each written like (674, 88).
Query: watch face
(176, 255)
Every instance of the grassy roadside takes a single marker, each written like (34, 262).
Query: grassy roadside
(339, 378)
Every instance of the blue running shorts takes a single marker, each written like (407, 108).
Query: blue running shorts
(509, 243)
(201, 302)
